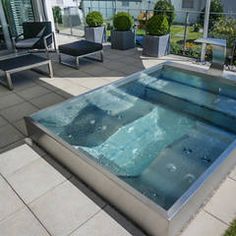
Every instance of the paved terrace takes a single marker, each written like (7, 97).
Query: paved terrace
(39, 197)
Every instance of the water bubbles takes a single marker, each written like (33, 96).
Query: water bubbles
(171, 167)
(155, 195)
(70, 136)
(92, 122)
(189, 178)
(104, 127)
(187, 150)
(134, 151)
(130, 129)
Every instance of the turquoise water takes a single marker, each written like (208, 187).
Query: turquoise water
(157, 133)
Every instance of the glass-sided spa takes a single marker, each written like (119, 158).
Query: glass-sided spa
(155, 144)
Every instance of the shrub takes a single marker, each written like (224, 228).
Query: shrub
(231, 231)
(165, 8)
(225, 28)
(157, 25)
(94, 19)
(123, 21)
(216, 7)
(196, 27)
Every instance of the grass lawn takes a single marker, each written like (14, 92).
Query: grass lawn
(231, 230)
(177, 34)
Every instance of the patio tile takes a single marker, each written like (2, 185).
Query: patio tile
(2, 121)
(205, 225)
(70, 85)
(17, 112)
(16, 158)
(114, 65)
(130, 69)
(33, 92)
(64, 209)
(12, 146)
(10, 100)
(24, 80)
(22, 223)
(88, 192)
(56, 165)
(95, 70)
(35, 179)
(123, 221)
(20, 125)
(64, 94)
(93, 83)
(233, 174)
(9, 201)
(47, 100)
(4, 91)
(9, 135)
(101, 225)
(222, 204)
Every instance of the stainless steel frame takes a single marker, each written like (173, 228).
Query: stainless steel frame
(76, 66)
(47, 47)
(152, 218)
(8, 80)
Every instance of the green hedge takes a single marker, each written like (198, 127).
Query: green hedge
(165, 8)
(157, 25)
(94, 19)
(123, 21)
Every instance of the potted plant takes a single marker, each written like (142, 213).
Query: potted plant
(95, 31)
(122, 37)
(157, 39)
(165, 8)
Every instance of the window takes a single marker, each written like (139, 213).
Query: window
(125, 3)
(17, 12)
(187, 4)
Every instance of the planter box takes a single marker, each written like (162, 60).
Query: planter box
(95, 34)
(122, 40)
(156, 46)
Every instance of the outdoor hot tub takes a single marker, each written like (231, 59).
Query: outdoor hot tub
(155, 144)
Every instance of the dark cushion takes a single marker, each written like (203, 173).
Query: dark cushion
(38, 30)
(26, 43)
(80, 48)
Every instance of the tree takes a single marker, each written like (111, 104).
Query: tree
(215, 13)
(165, 8)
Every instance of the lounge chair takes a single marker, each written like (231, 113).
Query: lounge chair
(36, 35)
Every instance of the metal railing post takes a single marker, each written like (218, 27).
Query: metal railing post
(185, 30)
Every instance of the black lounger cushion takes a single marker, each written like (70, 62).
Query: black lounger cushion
(80, 48)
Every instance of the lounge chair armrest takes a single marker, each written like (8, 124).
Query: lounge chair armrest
(46, 38)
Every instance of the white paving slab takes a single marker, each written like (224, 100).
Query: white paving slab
(35, 179)
(17, 158)
(101, 225)
(23, 223)
(223, 203)
(64, 209)
(9, 202)
(205, 225)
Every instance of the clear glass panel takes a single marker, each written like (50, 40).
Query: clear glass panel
(68, 17)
